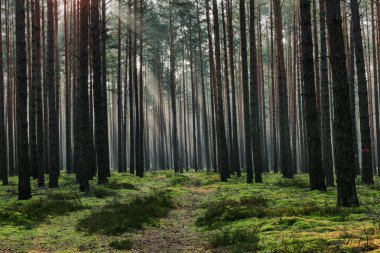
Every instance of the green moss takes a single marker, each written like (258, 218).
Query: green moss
(285, 214)
(236, 240)
(118, 218)
(118, 185)
(125, 244)
(34, 211)
(102, 192)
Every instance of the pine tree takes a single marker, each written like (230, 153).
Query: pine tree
(317, 177)
(343, 148)
(24, 190)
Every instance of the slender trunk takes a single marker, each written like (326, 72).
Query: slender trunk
(173, 95)
(235, 163)
(343, 148)
(285, 150)
(24, 190)
(247, 116)
(227, 89)
(366, 150)
(327, 162)
(212, 85)
(204, 105)
(140, 147)
(254, 96)
(84, 137)
(53, 113)
(3, 147)
(101, 130)
(221, 132)
(317, 177)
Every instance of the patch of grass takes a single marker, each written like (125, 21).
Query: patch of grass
(34, 211)
(296, 182)
(230, 210)
(296, 245)
(236, 240)
(125, 244)
(118, 218)
(119, 185)
(62, 196)
(102, 192)
(182, 180)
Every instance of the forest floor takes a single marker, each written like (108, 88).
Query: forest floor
(191, 212)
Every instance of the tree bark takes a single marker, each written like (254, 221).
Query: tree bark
(221, 132)
(24, 190)
(316, 173)
(343, 148)
(285, 150)
(247, 114)
(327, 162)
(254, 95)
(84, 137)
(235, 163)
(100, 100)
(366, 149)
(3, 147)
(52, 100)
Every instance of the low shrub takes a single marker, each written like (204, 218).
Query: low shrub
(118, 218)
(236, 240)
(120, 185)
(125, 244)
(37, 210)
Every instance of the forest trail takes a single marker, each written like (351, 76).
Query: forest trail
(177, 232)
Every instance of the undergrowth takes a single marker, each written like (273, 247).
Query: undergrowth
(236, 240)
(119, 217)
(28, 213)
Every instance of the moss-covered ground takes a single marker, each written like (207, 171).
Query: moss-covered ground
(191, 212)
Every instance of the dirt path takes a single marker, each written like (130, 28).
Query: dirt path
(176, 232)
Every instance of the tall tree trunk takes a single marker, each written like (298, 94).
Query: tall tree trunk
(193, 102)
(53, 113)
(204, 105)
(254, 94)
(212, 84)
(327, 162)
(317, 177)
(120, 151)
(130, 80)
(68, 92)
(366, 150)
(316, 59)
(140, 144)
(274, 97)
(247, 114)
(285, 150)
(24, 190)
(84, 137)
(222, 142)
(227, 90)
(100, 100)
(173, 94)
(235, 162)
(104, 123)
(32, 95)
(3, 147)
(343, 148)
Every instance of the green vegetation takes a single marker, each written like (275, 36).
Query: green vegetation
(125, 244)
(276, 216)
(37, 210)
(236, 240)
(118, 218)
